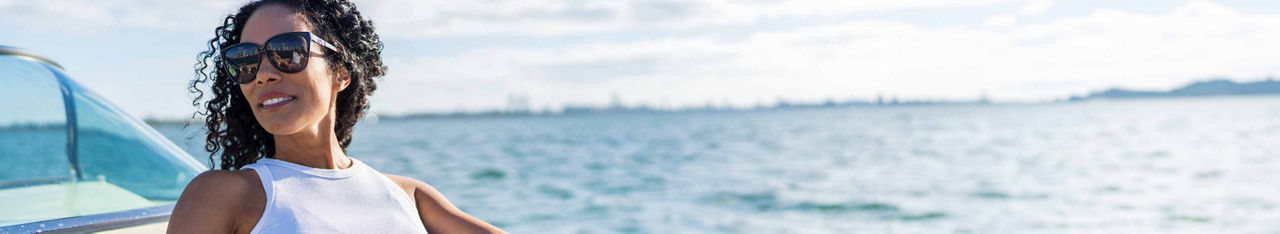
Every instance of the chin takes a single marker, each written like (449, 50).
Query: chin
(280, 129)
(284, 125)
(280, 123)
(291, 118)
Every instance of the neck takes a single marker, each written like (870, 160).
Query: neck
(315, 147)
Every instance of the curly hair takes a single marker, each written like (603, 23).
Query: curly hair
(233, 132)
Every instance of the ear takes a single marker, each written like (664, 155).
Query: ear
(342, 80)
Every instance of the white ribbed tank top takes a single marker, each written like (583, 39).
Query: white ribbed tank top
(358, 199)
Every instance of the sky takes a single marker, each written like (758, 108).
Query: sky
(474, 55)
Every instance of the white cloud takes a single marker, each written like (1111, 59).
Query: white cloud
(413, 18)
(864, 58)
(1035, 7)
(1001, 21)
(1009, 59)
(104, 15)
(583, 74)
(419, 19)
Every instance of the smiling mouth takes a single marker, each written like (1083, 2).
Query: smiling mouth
(275, 102)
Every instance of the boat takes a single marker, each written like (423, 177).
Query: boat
(71, 161)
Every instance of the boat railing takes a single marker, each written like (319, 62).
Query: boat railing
(96, 222)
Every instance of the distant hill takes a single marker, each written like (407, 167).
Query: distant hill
(1202, 88)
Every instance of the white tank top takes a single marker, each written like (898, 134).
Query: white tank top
(358, 199)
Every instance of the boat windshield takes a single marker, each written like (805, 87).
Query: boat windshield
(66, 151)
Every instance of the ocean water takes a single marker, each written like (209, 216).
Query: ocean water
(1191, 165)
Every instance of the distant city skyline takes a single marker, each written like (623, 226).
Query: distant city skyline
(448, 55)
(517, 105)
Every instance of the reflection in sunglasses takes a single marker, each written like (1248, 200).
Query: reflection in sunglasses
(279, 62)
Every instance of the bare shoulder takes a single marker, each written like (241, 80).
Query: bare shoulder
(421, 192)
(437, 213)
(219, 201)
(409, 185)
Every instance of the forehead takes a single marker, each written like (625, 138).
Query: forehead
(270, 20)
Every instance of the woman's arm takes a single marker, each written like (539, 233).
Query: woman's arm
(437, 213)
(212, 200)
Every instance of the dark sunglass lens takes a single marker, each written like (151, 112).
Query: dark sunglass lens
(245, 73)
(288, 53)
(243, 60)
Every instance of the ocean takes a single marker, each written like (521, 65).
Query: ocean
(1184, 165)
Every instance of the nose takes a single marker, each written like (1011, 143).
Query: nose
(267, 73)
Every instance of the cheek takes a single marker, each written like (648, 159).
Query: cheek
(246, 89)
(322, 78)
(320, 86)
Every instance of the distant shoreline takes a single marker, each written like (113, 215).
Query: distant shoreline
(1217, 87)
(1213, 87)
(1207, 88)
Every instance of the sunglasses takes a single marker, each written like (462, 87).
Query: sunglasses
(288, 52)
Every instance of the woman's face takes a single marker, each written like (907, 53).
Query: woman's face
(309, 95)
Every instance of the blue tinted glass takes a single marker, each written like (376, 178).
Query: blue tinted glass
(122, 151)
(33, 130)
(122, 163)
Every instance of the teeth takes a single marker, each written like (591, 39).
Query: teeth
(275, 100)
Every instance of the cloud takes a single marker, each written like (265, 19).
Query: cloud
(1001, 21)
(1035, 7)
(105, 15)
(841, 56)
(425, 19)
(868, 57)
(580, 74)
(419, 19)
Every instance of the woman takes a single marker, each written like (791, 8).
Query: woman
(289, 80)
